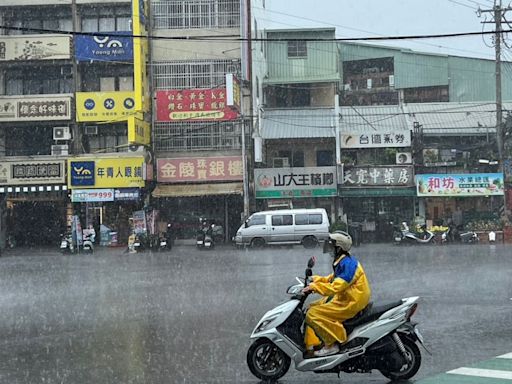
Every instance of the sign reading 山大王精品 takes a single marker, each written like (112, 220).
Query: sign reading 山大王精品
(470, 184)
(273, 183)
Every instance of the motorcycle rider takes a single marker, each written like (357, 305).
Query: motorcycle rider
(346, 292)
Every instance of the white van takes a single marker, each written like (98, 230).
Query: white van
(308, 227)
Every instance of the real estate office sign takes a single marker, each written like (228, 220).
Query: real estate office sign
(273, 183)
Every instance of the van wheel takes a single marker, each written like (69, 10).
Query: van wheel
(309, 242)
(257, 243)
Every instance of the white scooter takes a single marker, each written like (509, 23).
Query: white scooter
(380, 337)
(405, 235)
(88, 243)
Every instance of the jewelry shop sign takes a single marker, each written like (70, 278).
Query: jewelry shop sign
(197, 169)
(376, 139)
(378, 176)
(35, 108)
(273, 183)
(32, 172)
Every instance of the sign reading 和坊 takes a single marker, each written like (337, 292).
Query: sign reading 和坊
(470, 184)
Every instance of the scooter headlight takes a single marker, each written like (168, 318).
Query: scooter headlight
(265, 323)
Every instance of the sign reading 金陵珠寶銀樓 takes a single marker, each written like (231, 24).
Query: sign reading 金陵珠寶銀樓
(370, 176)
(198, 169)
(273, 183)
(469, 184)
(376, 139)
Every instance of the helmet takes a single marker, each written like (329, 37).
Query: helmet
(341, 240)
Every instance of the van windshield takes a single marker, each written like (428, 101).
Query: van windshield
(256, 220)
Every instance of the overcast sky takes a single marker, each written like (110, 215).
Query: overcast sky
(361, 18)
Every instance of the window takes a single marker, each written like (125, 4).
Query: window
(324, 158)
(280, 220)
(305, 219)
(96, 19)
(256, 220)
(107, 84)
(24, 82)
(297, 48)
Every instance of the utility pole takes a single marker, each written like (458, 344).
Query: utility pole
(498, 13)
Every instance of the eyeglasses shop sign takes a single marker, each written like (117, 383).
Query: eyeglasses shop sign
(295, 182)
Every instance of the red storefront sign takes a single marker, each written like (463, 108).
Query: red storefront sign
(194, 105)
(197, 169)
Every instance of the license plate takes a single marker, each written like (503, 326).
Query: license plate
(199, 242)
(207, 244)
(163, 244)
(398, 238)
(63, 244)
(418, 334)
(136, 244)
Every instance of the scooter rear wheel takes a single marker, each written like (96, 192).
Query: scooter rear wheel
(413, 365)
(266, 361)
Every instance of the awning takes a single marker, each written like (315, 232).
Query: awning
(376, 192)
(193, 190)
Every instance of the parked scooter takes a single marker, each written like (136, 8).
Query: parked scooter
(88, 243)
(66, 243)
(204, 238)
(469, 237)
(403, 235)
(379, 337)
(166, 240)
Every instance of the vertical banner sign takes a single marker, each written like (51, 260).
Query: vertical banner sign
(140, 51)
(138, 131)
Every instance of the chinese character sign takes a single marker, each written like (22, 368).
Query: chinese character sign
(91, 195)
(194, 105)
(376, 139)
(106, 173)
(197, 169)
(471, 184)
(36, 108)
(295, 182)
(391, 176)
(104, 106)
(32, 172)
(40, 47)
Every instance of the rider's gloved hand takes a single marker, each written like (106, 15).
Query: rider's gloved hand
(307, 290)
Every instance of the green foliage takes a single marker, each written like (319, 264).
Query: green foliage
(338, 226)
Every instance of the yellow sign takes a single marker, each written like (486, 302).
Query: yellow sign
(122, 172)
(140, 56)
(138, 131)
(104, 106)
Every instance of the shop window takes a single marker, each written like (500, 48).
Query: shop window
(297, 48)
(256, 220)
(427, 94)
(324, 158)
(281, 220)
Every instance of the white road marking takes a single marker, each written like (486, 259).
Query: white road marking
(505, 356)
(490, 373)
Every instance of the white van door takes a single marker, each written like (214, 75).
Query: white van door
(257, 226)
(281, 229)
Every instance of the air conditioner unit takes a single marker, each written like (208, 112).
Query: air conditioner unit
(404, 158)
(61, 133)
(369, 83)
(91, 130)
(391, 80)
(280, 162)
(60, 150)
(135, 148)
(347, 87)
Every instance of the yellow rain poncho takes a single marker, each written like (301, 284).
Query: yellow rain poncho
(346, 292)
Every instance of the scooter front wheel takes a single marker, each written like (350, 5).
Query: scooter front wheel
(266, 361)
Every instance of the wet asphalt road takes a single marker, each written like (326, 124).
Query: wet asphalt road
(185, 316)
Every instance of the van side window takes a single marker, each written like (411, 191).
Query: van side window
(301, 219)
(305, 219)
(278, 220)
(256, 220)
(315, 218)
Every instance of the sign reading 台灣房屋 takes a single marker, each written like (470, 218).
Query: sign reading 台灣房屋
(469, 184)
(295, 182)
(378, 176)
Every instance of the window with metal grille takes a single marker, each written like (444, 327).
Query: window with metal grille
(196, 136)
(197, 74)
(297, 48)
(195, 14)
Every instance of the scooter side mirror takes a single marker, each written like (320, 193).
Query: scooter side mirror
(309, 272)
(311, 262)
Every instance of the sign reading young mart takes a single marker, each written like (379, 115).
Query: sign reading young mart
(295, 182)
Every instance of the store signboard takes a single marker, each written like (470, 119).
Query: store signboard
(127, 194)
(106, 173)
(199, 169)
(35, 47)
(378, 176)
(92, 195)
(104, 106)
(233, 92)
(469, 184)
(32, 172)
(35, 108)
(274, 183)
(139, 131)
(115, 47)
(376, 139)
(194, 105)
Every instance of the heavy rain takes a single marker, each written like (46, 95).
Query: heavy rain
(226, 191)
